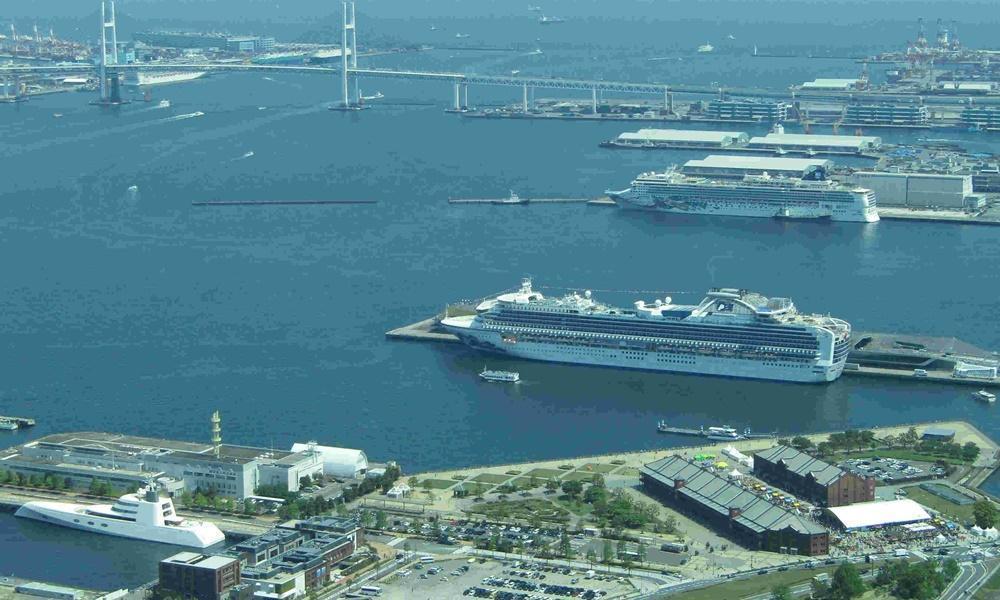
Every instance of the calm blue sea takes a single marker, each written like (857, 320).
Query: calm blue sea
(138, 312)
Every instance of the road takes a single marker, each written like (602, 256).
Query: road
(970, 579)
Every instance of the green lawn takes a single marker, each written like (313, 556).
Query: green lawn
(756, 584)
(435, 484)
(545, 473)
(576, 507)
(525, 483)
(948, 509)
(491, 478)
(990, 589)
(580, 475)
(477, 489)
(598, 468)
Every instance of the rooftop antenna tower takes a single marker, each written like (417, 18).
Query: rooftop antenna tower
(921, 36)
(37, 39)
(216, 433)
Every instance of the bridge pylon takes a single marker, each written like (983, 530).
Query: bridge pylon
(348, 60)
(109, 85)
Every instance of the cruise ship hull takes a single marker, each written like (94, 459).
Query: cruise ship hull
(746, 208)
(73, 515)
(700, 364)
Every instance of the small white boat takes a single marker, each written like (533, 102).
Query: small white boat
(512, 199)
(133, 189)
(500, 376)
(461, 36)
(706, 48)
(8, 425)
(57, 115)
(984, 396)
(164, 104)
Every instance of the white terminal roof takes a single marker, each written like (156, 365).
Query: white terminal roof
(831, 83)
(806, 139)
(758, 162)
(870, 514)
(680, 135)
(340, 462)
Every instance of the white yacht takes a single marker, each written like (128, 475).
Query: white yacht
(500, 376)
(143, 515)
(984, 396)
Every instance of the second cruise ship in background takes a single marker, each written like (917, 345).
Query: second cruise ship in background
(752, 196)
(731, 332)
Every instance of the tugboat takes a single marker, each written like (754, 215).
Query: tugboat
(513, 198)
(500, 376)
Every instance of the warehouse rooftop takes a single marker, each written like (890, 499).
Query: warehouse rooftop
(722, 496)
(92, 442)
(685, 135)
(801, 464)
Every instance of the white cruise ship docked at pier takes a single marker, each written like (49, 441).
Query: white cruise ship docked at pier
(753, 196)
(731, 332)
(143, 515)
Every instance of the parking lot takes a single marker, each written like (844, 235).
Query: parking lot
(507, 580)
(890, 470)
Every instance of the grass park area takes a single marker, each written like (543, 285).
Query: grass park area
(491, 478)
(947, 508)
(435, 484)
(763, 584)
(537, 508)
(990, 589)
(545, 473)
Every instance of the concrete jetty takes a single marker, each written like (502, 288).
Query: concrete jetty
(524, 201)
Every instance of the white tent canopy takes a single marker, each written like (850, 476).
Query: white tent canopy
(339, 462)
(871, 514)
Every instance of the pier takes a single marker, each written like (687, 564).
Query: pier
(897, 356)
(523, 201)
(278, 202)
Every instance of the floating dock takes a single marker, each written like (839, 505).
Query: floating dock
(21, 421)
(278, 202)
(521, 201)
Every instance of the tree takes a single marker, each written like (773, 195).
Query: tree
(970, 452)
(551, 485)
(801, 442)
(985, 513)
(380, 519)
(248, 507)
(591, 556)
(572, 488)
(606, 551)
(564, 546)
(595, 495)
(950, 569)
(597, 480)
(824, 448)
(910, 438)
(847, 583)
(641, 551)
(781, 592)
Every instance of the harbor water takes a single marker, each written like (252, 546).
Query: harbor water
(128, 309)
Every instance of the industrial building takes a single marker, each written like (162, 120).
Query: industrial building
(983, 117)
(193, 576)
(919, 190)
(723, 166)
(751, 520)
(747, 110)
(915, 115)
(832, 85)
(295, 558)
(877, 514)
(810, 478)
(206, 41)
(680, 138)
(806, 143)
(127, 461)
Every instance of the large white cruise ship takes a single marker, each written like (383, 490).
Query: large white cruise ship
(143, 515)
(734, 333)
(753, 196)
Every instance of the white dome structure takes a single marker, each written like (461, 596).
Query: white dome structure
(339, 462)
